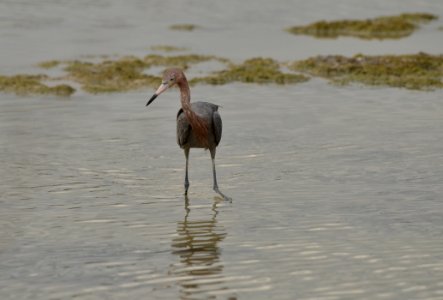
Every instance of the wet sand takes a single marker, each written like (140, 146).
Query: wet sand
(336, 190)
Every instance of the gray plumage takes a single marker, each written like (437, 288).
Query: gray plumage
(206, 111)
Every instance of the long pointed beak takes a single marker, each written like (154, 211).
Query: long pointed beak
(152, 99)
(163, 87)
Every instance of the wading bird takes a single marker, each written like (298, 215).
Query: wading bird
(199, 124)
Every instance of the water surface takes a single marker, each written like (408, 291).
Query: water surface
(336, 190)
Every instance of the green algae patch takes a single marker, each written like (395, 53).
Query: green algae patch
(389, 27)
(180, 61)
(32, 84)
(255, 70)
(49, 64)
(183, 27)
(127, 73)
(167, 48)
(417, 71)
(61, 90)
(111, 76)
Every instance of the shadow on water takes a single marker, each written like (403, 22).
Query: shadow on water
(197, 246)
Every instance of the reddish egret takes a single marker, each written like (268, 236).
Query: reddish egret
(199, 124)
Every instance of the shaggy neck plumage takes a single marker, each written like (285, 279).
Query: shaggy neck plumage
(199, 126)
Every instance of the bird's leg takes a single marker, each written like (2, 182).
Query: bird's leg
(186, 172)
(212, 150)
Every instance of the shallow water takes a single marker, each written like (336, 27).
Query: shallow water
(336, 190)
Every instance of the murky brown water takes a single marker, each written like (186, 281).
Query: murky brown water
(337, 191)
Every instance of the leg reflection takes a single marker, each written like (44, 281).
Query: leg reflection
(197, 246)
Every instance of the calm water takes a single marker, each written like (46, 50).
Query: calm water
(337, 191)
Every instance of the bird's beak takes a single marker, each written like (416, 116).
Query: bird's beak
(163, 87)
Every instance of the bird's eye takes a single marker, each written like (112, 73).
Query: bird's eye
(171, 79)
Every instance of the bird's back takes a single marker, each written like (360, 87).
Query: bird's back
(209, 113)
(204, 108)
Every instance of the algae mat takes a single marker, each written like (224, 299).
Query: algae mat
(417, 72)
(420, 71)
(389, 27)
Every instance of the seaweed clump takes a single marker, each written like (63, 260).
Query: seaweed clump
(110, 76)
(181, 61)
(32, 84)
(49, 64)
(167, 48)
(255, 70)
(417, 71)
(183, 27)
(126, 73)
(389, 27)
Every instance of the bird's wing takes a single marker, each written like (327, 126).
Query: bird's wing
(217, 127)
(183, 128)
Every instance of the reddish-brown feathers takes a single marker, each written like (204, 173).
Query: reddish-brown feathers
(200, 126)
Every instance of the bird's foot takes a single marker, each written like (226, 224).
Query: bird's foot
(226, 198)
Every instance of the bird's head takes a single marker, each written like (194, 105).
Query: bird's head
(170, 78)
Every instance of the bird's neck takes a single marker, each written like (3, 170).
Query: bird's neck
(185, 94)
(199, 125)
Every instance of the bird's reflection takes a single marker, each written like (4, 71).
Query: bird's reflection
(197, 246)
